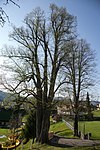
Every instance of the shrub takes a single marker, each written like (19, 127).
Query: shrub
(29, 131)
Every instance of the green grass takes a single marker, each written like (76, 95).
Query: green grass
(96, 113)
(91, 127)
(4, 132)
(61, 129)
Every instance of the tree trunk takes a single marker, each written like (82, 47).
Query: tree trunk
(38, 120)
(45, 127)
(42, 124)
(76, 125)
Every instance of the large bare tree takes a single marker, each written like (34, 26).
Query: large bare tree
(78, 67)
(39, 58)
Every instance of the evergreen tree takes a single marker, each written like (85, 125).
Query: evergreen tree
(29, 131)
(89, 113)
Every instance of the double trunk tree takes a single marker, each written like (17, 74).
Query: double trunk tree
(38, 59)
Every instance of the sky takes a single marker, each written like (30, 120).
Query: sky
(86, 11)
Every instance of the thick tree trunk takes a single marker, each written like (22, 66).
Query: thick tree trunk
(42, 125)
(76, 125)
(45, 127)
(39, 116)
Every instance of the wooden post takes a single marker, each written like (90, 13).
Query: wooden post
(84, 130)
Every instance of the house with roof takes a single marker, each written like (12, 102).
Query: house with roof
(98, 106)
(65, 109)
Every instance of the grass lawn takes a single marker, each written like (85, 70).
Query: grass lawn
(5, 132)
(96, 113)
(61, 129)
(91, 127)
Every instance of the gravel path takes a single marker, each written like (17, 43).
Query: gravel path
(60, 141)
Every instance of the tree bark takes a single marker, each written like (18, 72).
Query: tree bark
(38, 120)
(76, 125)
(45, 127)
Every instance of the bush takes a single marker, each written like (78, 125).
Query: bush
(96, 118)
(29, 131)
(86, 117)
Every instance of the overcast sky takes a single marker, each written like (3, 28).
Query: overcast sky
(86, 11)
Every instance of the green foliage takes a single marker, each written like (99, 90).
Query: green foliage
(29, 131)
(86, 117)
(89, 113)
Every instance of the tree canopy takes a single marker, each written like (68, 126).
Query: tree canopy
(78, 69)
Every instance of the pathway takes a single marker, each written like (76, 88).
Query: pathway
(61, 141)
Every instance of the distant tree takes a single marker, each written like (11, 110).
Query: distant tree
(3, 15)
(88, 104)
(78, 68)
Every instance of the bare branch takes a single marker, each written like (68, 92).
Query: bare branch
(7, 2)
(3, 15)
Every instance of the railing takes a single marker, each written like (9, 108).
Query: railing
(81, 135)
(68, 124)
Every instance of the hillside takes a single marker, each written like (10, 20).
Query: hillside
(3, 95)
